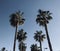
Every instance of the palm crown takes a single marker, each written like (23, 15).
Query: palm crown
(16, 18)
(21, 35)
(43, 17)
(34, 47)
(38, 36)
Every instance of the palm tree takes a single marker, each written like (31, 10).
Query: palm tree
(15, 20)
(43, 19)
(34, 47)
(21, 36)
(39, 37)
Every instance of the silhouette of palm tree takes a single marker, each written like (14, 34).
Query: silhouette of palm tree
(39, 37)
(43, 19)
(34, 47)
(21, 36)
(15, 20)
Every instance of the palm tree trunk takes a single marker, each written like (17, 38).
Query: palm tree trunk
(15, 38)
(21, 46)
(40, 45)
(49, 43)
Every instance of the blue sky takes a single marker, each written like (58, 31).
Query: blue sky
(30, 9)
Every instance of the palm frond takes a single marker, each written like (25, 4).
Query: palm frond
(13, 20)
(43, 36)
(49, 18)
(40, 11)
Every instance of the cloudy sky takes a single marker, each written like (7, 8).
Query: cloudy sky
(30, 9)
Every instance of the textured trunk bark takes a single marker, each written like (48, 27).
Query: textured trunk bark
(48, 39)
(21, 45)
(40, 45)
(15, 38)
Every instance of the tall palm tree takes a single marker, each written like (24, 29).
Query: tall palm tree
(39, 37)
(15, 20)
(21, 36)
(43, 19)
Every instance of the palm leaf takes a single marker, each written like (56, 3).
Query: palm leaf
(49, 18)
